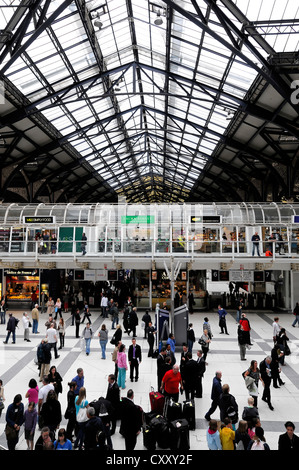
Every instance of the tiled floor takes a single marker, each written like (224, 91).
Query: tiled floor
(17, 367)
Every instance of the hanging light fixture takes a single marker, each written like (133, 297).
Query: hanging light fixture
(158, 21)
(98, 22)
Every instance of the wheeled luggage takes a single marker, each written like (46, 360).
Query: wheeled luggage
(157, 401)
(179, 435)
(189, 413)
(160, 428)
(149, 437)
(172, 410)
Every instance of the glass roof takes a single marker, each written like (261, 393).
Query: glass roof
(144, 104)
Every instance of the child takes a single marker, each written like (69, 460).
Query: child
(227, 435)
(213, 436)
(30, 424)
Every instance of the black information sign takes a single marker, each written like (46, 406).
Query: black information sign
(39, 220)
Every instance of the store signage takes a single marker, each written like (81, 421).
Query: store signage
(39, 220)
(296, 219)
(206, 219)
(241, 276)
(101, 275)
(21, 272)
(137, 219)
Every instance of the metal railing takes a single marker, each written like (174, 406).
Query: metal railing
(157, 248)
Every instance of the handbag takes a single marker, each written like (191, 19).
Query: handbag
(82, 415)
(11, 433)
(112, 341)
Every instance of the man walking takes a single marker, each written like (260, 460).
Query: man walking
(215, 394)
(52, 339)
(222, 319)
(265, 370)
(11, 328)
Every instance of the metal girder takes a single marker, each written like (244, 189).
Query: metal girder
(267, 71)
(41, 28)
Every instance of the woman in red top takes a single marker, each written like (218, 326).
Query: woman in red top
(246, 328)
(171, 382)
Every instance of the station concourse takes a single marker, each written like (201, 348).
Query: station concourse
(18, 367)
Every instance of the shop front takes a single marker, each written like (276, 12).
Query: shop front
(21, 286)
(186, 282)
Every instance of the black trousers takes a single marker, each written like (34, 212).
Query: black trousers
(134, 366)
(266, 393)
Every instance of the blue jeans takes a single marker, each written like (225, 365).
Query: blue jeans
(34, 326)
(121, 380)
(296, 320)
(114, 322)
(2, 318)
(103, 346)
(254, 247)
(87, 345)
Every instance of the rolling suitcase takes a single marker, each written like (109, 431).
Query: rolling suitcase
(179, 435)
(160, 429)
(189, 413)
(157, 401)
(172, 410)
(149, 438)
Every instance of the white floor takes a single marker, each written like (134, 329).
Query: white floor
(17, 368)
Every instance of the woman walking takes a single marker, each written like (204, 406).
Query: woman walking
(103, 338)
(252, 377)
(81, 405)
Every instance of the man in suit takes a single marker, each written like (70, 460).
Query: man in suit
(190, 376)
(265, 370)
(160, 363)
(113, 396)
(131, 420)
(201, 368)
(184, 359)
(150, 331)
(133, 321)
(134, 357)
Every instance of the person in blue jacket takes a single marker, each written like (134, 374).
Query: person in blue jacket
(215, 394)
(14, 420)
(222, 320)
(171, 341)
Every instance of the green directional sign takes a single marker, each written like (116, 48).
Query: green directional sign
(137, 219)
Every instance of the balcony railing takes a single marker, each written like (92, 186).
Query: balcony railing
(153, 248)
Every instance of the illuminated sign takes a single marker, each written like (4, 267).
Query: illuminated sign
(38, 220)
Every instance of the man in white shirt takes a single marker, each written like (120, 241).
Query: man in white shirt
(43, 392)
(104, 305)
(51, 334)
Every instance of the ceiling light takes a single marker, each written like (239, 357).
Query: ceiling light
(98, 24)
(158, 21)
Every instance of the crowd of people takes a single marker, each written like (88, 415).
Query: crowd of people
(91, 424)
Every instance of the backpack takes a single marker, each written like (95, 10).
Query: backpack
(231, 412)
(240, 445)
